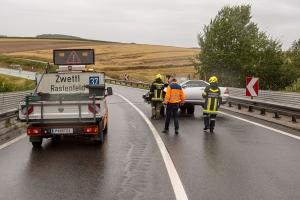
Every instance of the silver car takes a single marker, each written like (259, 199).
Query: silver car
(193, 90)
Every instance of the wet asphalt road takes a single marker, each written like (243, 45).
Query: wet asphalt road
(238, 161)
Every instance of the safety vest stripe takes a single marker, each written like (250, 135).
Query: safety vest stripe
(208, 103)
(214, 90)
(209, 111)
(155, 93)
(212, 104)
(215, 105)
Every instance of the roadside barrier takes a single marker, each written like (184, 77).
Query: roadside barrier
(278, 103)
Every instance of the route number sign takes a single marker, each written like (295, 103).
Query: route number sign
(94, 80)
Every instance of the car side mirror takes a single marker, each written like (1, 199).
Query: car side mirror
(109, 91)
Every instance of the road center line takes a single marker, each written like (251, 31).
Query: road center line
(178, 188)
(2, 146)
(263, 126)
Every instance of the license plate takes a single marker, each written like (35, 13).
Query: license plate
(62, 131)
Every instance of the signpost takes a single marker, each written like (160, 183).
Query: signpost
(252, 86)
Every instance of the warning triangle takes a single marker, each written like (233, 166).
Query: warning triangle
(73, 58)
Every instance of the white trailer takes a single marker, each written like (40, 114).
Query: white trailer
(68, 103)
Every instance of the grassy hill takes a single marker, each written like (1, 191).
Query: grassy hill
(58, 36)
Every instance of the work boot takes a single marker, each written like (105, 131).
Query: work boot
(165, 131)
(176, 131)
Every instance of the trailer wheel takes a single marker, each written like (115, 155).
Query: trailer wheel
(99, 139)
(37, 144)
(106, 128)
(56, 138)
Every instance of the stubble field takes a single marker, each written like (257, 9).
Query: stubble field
(140, 61)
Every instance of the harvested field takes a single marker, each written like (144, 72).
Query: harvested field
(8, 45)
(140, 61)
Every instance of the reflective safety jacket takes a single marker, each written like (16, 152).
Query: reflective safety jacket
(157, 90)
(212, 96)
(174, 94)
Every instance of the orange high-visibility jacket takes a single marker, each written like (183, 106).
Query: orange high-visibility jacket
(174, 94)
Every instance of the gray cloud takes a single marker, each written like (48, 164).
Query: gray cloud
(170, 22)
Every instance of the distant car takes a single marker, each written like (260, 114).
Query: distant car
(193, 90)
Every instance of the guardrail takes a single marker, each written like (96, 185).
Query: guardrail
(9, 101)
(263, 107)
(284, 98)
(128, 83)
(279, 103)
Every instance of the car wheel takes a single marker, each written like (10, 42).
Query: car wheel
(191, 109)
(182, 109)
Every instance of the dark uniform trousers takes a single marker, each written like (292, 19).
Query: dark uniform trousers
(172, 109)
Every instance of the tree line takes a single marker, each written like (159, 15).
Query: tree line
(233, 47)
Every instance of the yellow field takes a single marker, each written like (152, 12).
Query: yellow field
(141, 62)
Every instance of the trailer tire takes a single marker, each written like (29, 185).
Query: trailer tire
(37, 144)
(106, 128)
(56, 138)
(99, 139)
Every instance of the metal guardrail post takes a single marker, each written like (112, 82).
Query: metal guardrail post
(294, 118)
(250, 109)
(276, 115)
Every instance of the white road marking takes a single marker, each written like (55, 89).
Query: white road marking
(178, 188)
(2, 146)
(263, 126)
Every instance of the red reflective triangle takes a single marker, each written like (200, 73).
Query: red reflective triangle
(73, 58)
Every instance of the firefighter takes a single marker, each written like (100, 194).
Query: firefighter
(212, 102)
(173, 98)
(157, 96)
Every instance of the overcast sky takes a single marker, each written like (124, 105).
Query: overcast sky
(169, 22)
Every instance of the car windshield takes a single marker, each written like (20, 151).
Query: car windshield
(195, 84)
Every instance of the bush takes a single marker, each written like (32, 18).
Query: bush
(295, 87)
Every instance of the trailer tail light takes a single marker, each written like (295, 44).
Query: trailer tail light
(33, 131)
(94, 108)
(226, 91)
(30, 110)
(91, 130)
